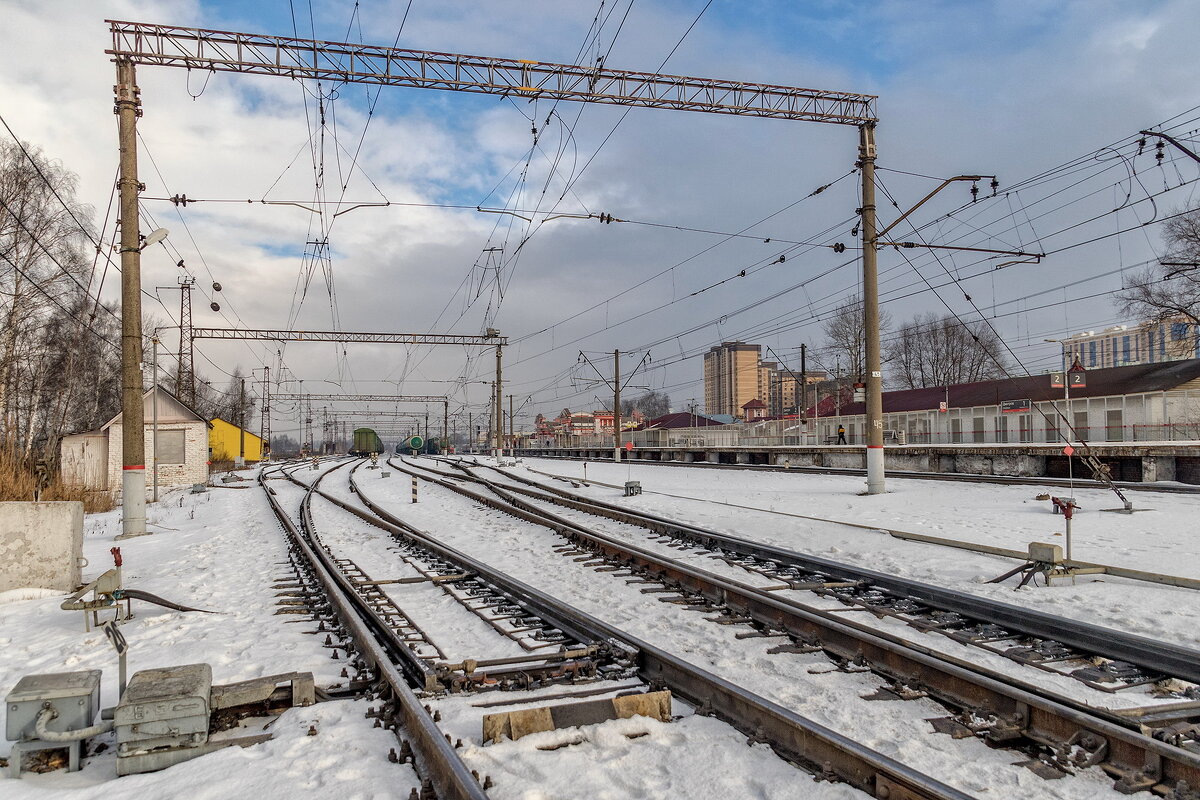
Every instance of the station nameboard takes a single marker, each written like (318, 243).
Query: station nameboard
(1013, 406)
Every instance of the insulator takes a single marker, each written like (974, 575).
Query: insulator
(214, 306)
(216, 286)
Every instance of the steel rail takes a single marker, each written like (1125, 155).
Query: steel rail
(1149, 654)
(441, 763)
(961, 477)
(1135, 760)
(794, 737)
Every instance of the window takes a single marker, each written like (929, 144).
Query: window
(1081, 426)
(1026, 423)
(1125, 349)
(1052, 427)
(1001, 428)
(956, 430)
(171, 449)
(1116, 432)
(1091, 354)
(977, 429)
(1178, 331)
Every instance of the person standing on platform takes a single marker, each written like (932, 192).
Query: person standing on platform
(841, 434)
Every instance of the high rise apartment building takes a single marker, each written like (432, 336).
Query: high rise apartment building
(731, 377)
(735, 374)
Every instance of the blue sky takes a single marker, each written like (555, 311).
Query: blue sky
(1011, 88)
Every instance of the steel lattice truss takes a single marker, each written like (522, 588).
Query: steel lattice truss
(364, 398)
(346, 336)
(198, 48)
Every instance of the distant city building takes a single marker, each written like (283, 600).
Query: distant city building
(1174, 339)
(735, 374)
(755, 409)
(731, 377)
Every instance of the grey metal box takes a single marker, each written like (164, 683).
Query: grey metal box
(166, 707)
(74, 695)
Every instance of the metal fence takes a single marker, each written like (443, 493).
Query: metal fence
(1149, 417)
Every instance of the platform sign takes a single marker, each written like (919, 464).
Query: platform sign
(943, 407)
(628, 446)
(1058, 380)
(1014, 406)
(1078, 379)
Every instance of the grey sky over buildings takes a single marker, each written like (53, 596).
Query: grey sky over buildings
(1033, 92)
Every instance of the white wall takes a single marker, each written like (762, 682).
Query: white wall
(41, 545)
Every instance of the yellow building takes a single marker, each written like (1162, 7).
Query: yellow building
(224, 442)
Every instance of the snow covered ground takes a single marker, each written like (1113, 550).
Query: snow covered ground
(223, 550)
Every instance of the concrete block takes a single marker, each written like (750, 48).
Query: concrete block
(1158, 468)
(41, 545)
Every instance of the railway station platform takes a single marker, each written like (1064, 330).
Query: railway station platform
(1134, 462)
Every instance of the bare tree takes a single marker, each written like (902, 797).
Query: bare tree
(939, 351)
(652, 404)
(1171, 288)
(846, 338)
(50, 327)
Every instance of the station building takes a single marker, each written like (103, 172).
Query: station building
(1137, 403)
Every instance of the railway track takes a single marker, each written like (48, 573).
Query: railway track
(1068, 735)
(1002, 480)
(823, 752)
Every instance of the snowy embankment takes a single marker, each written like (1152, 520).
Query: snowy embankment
(222, 551)
(1159, 539)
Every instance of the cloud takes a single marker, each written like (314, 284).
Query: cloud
(1003, 87)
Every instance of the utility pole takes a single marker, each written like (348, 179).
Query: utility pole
(445, 424)
(264, 431)
(498, 415)
(185, 378)
(154, 407)
(874, 418)
(242, 425)
(470, 433)
(803, 387)
(512, 429)
(616, 406)
(133, 432)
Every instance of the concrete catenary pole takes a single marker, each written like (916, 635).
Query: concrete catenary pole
(617, 405)
(133, 432)
(242, 425)
(445, 424)
(874, 376)
(498, 412)
(154, 407)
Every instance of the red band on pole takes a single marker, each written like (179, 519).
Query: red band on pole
(136, 466)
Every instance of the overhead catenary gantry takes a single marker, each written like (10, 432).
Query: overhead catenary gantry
(226, 51)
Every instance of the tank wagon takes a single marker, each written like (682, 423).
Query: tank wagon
(419, 445)
(366, 441)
